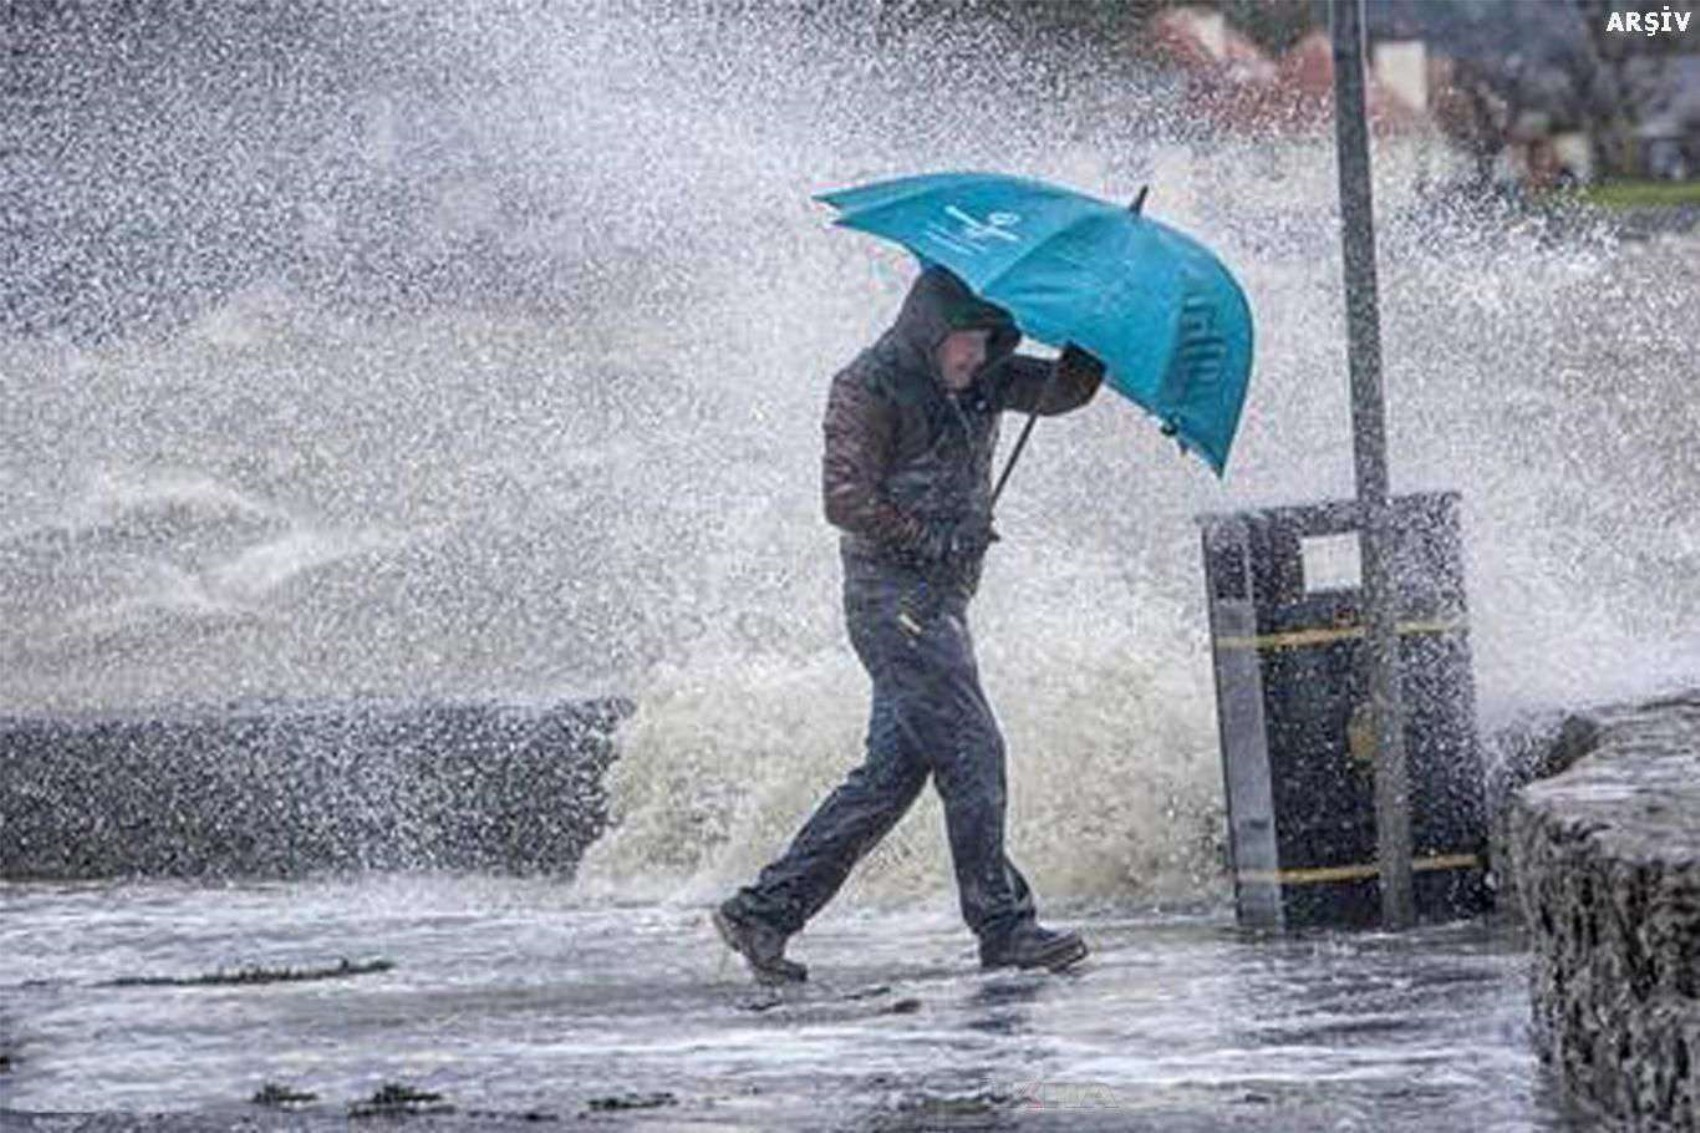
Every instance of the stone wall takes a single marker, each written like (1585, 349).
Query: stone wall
(288, 789)
(1606, 862)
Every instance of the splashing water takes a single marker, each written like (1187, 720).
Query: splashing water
(485, 357)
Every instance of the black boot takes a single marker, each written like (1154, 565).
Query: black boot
(1029, 946)
(762, 948)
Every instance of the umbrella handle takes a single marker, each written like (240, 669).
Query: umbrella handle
(1020, 443)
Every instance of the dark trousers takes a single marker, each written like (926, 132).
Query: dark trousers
(929, 717)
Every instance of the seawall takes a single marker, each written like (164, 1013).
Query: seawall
(1605, 858)
(284, 790)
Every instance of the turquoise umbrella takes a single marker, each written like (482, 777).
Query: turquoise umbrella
(1169, 322)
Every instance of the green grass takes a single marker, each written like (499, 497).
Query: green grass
(1642, 194)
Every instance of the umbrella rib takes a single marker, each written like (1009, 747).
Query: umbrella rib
(929, 187)
(845, 213)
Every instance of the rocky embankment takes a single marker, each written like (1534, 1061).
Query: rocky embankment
(1605, 858)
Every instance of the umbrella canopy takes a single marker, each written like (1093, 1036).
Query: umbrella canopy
(1168, 321)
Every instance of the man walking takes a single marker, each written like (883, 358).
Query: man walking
(910, 428)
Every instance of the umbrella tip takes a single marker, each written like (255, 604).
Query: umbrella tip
(1138, 205)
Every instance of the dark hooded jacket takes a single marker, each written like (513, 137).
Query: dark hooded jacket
(902, 452)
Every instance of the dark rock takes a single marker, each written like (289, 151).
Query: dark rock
(396, 1099)
(253, 976)
(633, 1101)
(277, 1097)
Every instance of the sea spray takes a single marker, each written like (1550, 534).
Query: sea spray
(494, 368)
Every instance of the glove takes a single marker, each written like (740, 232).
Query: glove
(1075, 362)
(947, 540)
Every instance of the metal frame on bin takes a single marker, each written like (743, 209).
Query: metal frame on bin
(1293, 708)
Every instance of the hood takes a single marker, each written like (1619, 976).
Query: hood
(939, 303)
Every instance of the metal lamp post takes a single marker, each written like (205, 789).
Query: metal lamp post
(1369, 449)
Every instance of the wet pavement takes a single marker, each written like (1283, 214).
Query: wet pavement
(513, 1003)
